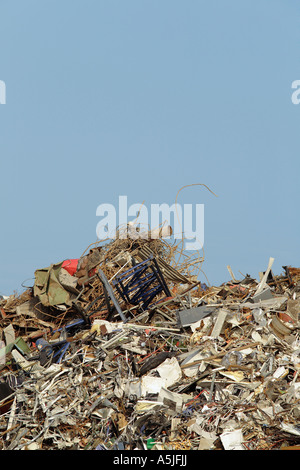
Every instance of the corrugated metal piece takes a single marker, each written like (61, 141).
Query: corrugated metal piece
(168, 271)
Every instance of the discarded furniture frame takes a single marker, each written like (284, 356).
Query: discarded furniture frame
(141, 283)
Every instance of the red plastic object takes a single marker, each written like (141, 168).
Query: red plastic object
(70, 265)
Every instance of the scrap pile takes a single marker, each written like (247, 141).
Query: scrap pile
(125, 349)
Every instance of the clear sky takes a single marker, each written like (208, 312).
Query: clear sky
(139, 98)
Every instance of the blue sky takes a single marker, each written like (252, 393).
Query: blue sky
(139, 98)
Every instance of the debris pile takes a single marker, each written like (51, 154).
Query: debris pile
(125, 349)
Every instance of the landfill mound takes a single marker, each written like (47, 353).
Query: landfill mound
(125, 349)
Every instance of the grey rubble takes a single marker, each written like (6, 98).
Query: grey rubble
(89, 362)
